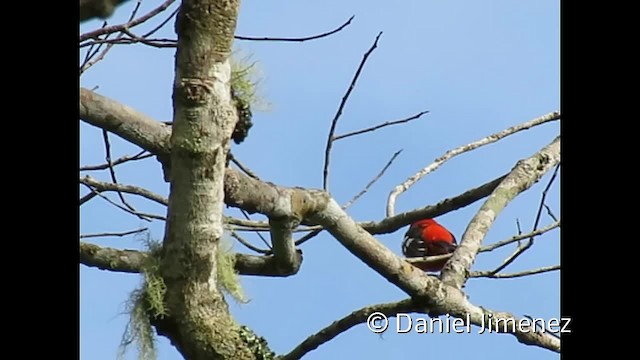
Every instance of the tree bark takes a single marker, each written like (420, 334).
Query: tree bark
(198, 320)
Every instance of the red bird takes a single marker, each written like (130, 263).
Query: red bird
(428, 238)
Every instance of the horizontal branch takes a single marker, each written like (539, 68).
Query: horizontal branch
(519, 237)
(106, 258)
(118, 234)
(107, 186)
(492, 275)
(379, 126)
(391, 201)
(131, 261)
(125, 122)
(298, 39)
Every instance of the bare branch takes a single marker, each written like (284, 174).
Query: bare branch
(379, 126)
(112, 172)
(125, 122)
(141, 215)
(550, 213)
(300, 39)
(128, 25)
(522, 177)
(393, 223)
(88, 197)
(373, 181)
(334, 122)
(139, 156)
(491, 275)
(339, 326)
(244, 213)
(119, 234)
(247, 244)
(101, 186)
(163, 23)
(87, 64)
(391, 201)
(308, 236)
(106, 258)
(519, 237)
(521, 249)
(240, 166)
(131, 261)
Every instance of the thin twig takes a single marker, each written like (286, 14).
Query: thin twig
(379, 126)
(518, 226)
(247, 244)
(308, 236)
(513, 239)
(139, 156)
(89, 64)
(259, 235)
(240, 166)
(339, 326)
(90, 52)
(112, 172)
(163, 23)
(129, 24)
(87, 197)
(491, 275)
(391, 201)
(119, 234)
(300, 39)
(129, 189)
(143, 216)
(366, 188)
(334, 122)
(158, 43)
(550, 213)
(521, 249)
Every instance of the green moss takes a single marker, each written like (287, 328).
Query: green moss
(145, 301)
(244, 94)
(228, 279)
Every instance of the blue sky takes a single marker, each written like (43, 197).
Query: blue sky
(478, 67)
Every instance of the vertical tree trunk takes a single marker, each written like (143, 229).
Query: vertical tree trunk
(198, 321)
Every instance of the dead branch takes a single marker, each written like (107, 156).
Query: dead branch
(139, 156)
(318, 208)
(491, 275)
(88, 60)
(131, 261)
(334, 122)
(521, 249)
(140, 215)
(240, 166)
(519, 237)
(247, 244)
(299, 39)
(391, 201)
(128, 25)
(373, 181)
(522, 177)
(379, 126)
(339, 326)
(102, 186)
(119, 234)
